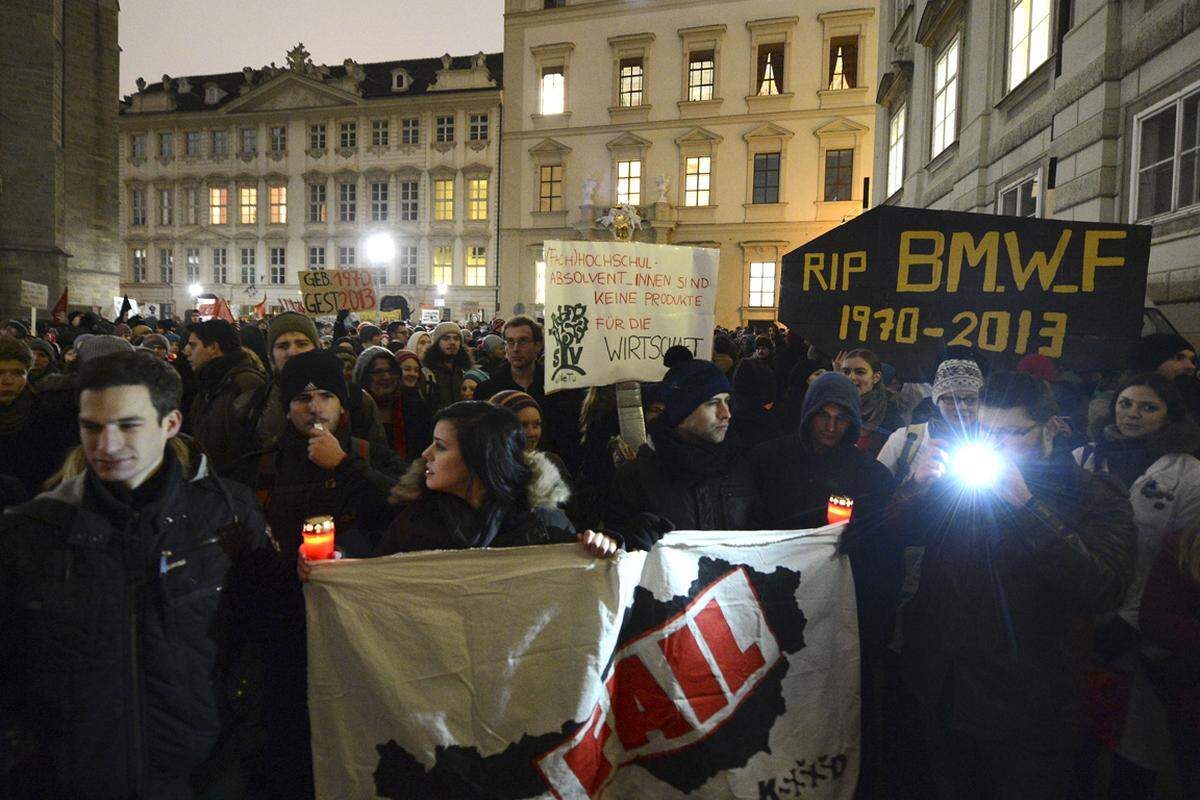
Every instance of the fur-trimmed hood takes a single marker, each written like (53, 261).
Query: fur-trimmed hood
(547, 488)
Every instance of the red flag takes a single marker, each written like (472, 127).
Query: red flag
(222, 311)
(60, 307)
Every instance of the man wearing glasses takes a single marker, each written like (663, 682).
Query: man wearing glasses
(524, 371)
(1022, 550)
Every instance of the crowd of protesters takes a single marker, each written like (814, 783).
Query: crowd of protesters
(1036, 637)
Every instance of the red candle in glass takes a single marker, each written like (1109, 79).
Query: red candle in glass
(839, 509)
(318, 538)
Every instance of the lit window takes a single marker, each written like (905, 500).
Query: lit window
(476, 266)
(632, 75)
(316, 136)
(443, 265)
(193, 264)
(762, 284)
(629, 183)
(380, 132)
(249, 263)
(550, 191)
(701, 75)
(839, 174)
(278, 265)
(220, 265)
(1022, 199)
(166, 265)
(697, 181)
(347, 202)
(248, 205)
(277, 195)
(137, 207)
(166, 206)
(318, 207)
(770, 69)
(554, 90)
(477, 199)
(278, 138)
(218, 206)
(945, 98)
(443, 199)
(895, 164)
(445, 128)
(1168, 172)
(479, 127)
(1028, 38)
(379, 201)
(766, 178)
(316, 257)
(407, 255)
(843, 63)
(410, 131)
(409, 201)
(139, 266)
(348, 135)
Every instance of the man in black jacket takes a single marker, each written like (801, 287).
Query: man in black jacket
(995, 638)
(226, 380)
(113, 604)
(688, 472)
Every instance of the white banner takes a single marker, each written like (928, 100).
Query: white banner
(614, 308)
(719, 665)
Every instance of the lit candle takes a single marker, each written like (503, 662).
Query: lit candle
(840, 509)
(318, 538)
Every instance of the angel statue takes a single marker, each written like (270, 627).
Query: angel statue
(622, 220)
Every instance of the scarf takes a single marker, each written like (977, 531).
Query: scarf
(874, 407)
(698, 460)
(399, 442)
(1127, 458)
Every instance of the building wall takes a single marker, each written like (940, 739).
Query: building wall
(58, 171)
(591, 38)
(295, 103)
(1073, 122)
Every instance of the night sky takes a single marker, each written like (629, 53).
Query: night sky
(190, 38)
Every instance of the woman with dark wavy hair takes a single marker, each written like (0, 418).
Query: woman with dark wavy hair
(477, 486)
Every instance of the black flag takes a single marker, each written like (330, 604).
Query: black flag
(126, 307)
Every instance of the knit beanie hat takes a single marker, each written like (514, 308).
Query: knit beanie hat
(123, 330)
(291, 322)
(313, 369)
(954, 375)
(491, 343)
(19, 327)
(404, 355)
(140, 330)
(1149, 352)
(156, 340)
(1039, 366)
(755, 380)
(103, 345)
(367, 331)
(47, 348)
(514, 400)
(475, 374)
(687, 385)
(445, 329)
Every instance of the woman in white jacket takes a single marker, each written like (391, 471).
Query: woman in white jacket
(1146, 442)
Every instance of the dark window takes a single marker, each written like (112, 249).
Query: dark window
(554, 3)
(766, 178)
(770, 69)
(839, 174)
(843, 63)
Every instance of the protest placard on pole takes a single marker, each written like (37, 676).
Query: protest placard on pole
(911, 282)
(328, 291)
(613, 309)
(34, 296)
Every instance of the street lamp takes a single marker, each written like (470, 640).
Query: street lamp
(195, 290)
(380, 248)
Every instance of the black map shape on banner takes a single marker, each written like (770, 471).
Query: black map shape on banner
(461, 773)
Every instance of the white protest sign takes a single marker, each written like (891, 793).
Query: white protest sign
(717, 666)
(34, 295)
(613, 309)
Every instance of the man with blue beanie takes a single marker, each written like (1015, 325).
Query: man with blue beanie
(687, 473)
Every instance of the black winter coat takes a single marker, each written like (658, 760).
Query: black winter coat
(115, 632)
(996, 637)
(696, 487)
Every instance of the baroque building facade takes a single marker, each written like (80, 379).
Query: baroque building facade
(742, 125)
(58, 151)
(234, 183)
(1073, 109)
